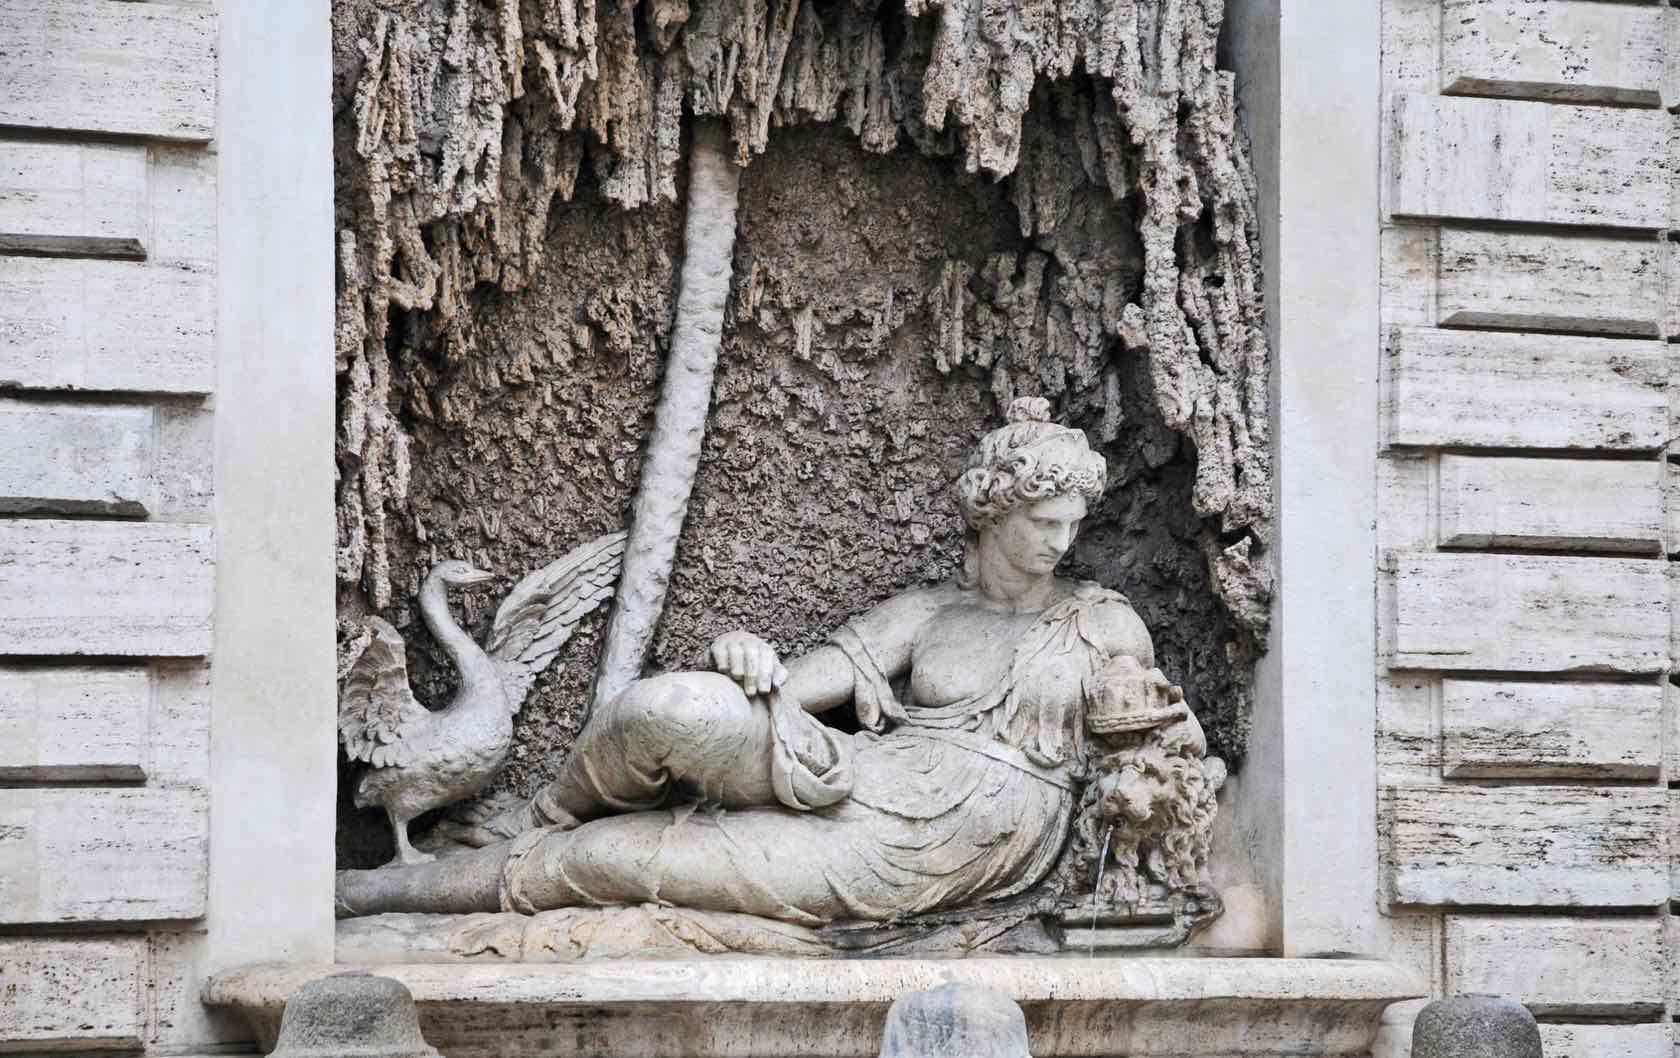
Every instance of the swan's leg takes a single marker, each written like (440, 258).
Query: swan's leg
(406, 853)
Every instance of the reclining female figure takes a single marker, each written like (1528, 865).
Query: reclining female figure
(960, 787)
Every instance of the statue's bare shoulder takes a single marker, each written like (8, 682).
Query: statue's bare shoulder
(1117, 629)
(892, 624)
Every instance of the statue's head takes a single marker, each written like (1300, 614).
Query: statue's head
(1027, 485)
(458, 574)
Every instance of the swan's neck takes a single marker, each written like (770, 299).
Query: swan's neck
(434, 607)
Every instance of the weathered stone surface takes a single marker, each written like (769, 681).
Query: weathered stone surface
(106, 723)
(1528, 614)
(123, 325)
(1550, 282)
(183, 466)
(1524, 847)
(178, 1022)
(178, 747)
(140, 69)
(954, 1021)
(93, 855)
(1671, 729)
(351, 1012)
(87, 193)
(64, 458)
(1561, 966)
(73, 724)
(1460, 388)
(709, 1008)
(1558, 50)
(1483, 159)
(117, 588)
(1411, 270)
(63, 994)
(72, 324)
(1671, 305)
(1608, 1041)
(1551, 730)
(1408, 735)
(1674, 870)
(1411, 45)
(1407, 500)
(1552, 504)
(1483, 1026)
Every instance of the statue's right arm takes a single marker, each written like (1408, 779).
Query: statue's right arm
(823, 679)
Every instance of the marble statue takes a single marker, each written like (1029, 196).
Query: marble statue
(419, 759)
(984, 704)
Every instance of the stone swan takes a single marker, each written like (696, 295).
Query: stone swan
(421, 759)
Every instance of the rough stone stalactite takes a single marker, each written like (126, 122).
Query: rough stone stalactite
(467, 119)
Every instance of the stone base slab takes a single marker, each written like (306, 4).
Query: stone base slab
(736, 1007)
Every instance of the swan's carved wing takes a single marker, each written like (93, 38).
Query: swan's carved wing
(543, 610)
(377, 712)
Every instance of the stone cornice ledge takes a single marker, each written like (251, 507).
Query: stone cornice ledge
(743, 1007)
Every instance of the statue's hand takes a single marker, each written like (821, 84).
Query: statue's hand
(749, 661)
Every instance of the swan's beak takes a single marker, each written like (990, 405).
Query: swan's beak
(475, 576)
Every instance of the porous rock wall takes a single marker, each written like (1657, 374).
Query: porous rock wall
(1048, 199)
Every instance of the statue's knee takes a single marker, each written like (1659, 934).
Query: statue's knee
(674, 703)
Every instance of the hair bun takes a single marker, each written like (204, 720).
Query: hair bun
(1028, 409)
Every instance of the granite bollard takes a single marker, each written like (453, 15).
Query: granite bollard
(1476, 1027)
(955, 1021)
(351, 1015)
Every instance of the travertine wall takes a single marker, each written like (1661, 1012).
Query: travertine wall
(108, 273)
(144, 224)
(1525, 606)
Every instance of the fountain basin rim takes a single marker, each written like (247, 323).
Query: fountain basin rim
(263, 988)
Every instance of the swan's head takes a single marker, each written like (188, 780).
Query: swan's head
(458, 574)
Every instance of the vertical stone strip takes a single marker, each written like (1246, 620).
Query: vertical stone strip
(679, 423)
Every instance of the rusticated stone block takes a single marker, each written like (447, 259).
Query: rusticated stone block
(1552, 504)
(68, 458)
(1487, 159)
(1560, 50)
(1525, 847)
(117, 588)
(1560, 966)
(1510, 730)
(141, 69)
(84, 855)
(1521, 613)
(1470, 389)
(76, 194)
(61, 993)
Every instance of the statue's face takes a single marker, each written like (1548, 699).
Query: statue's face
(1032, 538)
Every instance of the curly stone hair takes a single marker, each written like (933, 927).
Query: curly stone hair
(1029, 460)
